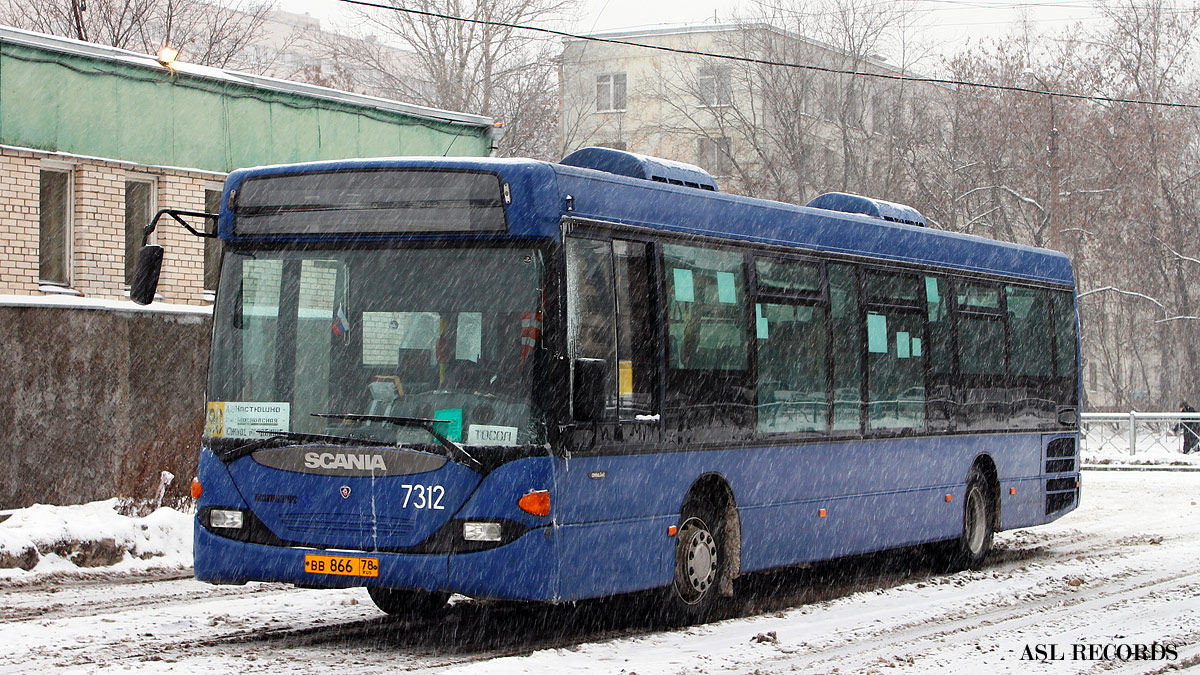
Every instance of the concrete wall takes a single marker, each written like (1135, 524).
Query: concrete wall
(95, 397)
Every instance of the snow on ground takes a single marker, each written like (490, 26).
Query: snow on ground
(50, 540)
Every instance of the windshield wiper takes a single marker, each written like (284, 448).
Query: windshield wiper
(454, 451)
(279, 439)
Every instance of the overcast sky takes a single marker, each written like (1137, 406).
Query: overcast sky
(950, 23)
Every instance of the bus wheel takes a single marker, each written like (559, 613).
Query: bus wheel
(699, 562)
(978, 524)
(401, 603)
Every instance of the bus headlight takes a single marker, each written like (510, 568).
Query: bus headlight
(225, 518)
(481, 531)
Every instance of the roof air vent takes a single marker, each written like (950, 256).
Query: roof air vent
(641, 166)
(876, 208)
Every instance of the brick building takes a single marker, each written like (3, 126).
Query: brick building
(93, 141)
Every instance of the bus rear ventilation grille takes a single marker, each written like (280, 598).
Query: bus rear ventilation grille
(1060, 455)
(1060, 493)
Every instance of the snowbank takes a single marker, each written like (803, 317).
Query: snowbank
(45, 539)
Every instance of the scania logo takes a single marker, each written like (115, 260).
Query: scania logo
(339, 460)
(345, 492)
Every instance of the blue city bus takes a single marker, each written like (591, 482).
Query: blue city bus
(514, 379)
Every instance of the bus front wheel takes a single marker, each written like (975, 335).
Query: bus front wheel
(699, 564)
(406, 603)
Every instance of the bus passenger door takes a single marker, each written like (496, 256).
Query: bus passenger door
(609, 496)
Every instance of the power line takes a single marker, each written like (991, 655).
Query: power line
(782, 64)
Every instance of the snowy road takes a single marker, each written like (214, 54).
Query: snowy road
(1121, 571)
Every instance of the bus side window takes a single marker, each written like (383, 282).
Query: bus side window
(591, 332)
(1031, 362)
(982, 365)
(896, 352)
(1065, 345)
(636, 330)
(710, 395)
(939, 390)
(846, 332)
(791, 324)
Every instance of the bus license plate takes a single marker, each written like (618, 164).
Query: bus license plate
(350, 567)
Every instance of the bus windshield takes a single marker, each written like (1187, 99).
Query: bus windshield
(304, 334)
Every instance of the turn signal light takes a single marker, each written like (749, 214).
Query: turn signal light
(197, 488)
(536, 503)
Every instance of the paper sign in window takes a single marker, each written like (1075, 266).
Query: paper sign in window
(916, 348)
(760, 322)
(726, 287)
(449, 423)
(933, 297)
(470, 331)
(903, 346)
(877, 341)
(684, 290)
(625, 377)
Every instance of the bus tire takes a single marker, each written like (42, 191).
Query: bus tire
(699, 563)
(979, 524)
(406, 603)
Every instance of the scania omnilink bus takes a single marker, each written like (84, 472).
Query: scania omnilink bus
(516, 379)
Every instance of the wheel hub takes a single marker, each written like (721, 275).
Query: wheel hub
(976, 527)
(701, 559)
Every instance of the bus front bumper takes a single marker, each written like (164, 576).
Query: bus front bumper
(521, 570)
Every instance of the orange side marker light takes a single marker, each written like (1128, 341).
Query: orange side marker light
(1012, 491)
(536, 503)
(672, 531)
(197, 488)
(821, 513)
(949, 498)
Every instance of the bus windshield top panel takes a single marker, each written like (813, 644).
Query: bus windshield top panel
(393, 201)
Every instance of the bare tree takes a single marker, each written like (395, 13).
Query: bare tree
(207, 34)
(483, 65)
(790, 133)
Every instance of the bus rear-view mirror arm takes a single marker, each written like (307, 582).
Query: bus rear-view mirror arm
(588, 397)
(149, 261)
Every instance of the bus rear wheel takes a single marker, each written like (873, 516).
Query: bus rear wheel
(699, 564)
(407, 603)
(979, 518)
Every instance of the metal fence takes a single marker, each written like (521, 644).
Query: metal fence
(1134, 432)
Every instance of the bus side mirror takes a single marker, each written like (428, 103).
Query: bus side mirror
(588, 397)
(145, 274)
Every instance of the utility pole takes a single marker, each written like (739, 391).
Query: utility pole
(1052, 239)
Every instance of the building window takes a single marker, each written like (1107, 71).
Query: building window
(54, 227)
(713, 155)
(610, 92)
(139, 200)
(615, 145)
(212, 247)
(713, 87)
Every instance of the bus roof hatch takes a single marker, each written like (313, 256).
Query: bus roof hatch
(876, 208)
(634, 165)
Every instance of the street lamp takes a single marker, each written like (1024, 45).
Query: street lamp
(166, 56)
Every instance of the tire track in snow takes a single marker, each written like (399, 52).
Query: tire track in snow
(100, 598)
(973, 623)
